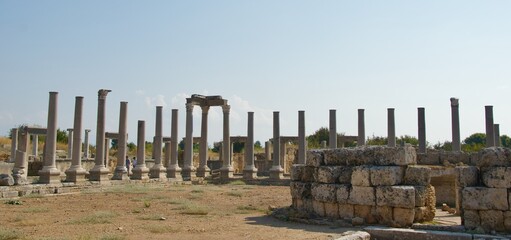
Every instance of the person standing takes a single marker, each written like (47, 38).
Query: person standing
(128, 163)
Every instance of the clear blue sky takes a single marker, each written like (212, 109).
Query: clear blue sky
(262, 56)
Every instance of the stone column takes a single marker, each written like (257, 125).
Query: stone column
(50, 174)
(323, 144)
(204, 170)
(166, 156)
(35, 146)
(276, 171)
(490, 138)
(227, 171)
(14, 143)
(188, 167)
(76, 173)
(496, 133)
(108, 143)
(173, 170)
(302, 141)
(455, 122)
(140, 172)
(70, 143)
(332, 140)
(391, 128)
(250, 171)
(158, 170)
(20, 169)
(267, 150)
(121, 170)
(99, 172)
(422, 130)
(361, 140)
(86, 153)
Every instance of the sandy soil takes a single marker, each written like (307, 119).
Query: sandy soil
(157, 212)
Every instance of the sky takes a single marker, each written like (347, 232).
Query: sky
(262, 56)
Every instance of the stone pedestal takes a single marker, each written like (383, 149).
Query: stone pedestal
(158, 170)
(121, 170)
(173, 170)
(76, 173)
(140, 172)
(50, 174)
(99, 172)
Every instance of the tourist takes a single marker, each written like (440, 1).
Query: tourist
(128, 163)
(134, 162)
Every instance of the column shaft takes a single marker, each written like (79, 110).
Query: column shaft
(455, 123)
(49, 173)
(76, 173)
(227, 170)
(203, 170)
(70, 143)
(121, 170)
(158, 169)
(490, 138)
(86, 153)
(14, 143)
(361, 140)
(188, 167)
(174, 171)
(496, 133)
(422, 130)
(302, 141)
(140, 172)
(99, 172)
(35, 146)
(250, 171)
(276, 171)
(333, 129)
(391, 128)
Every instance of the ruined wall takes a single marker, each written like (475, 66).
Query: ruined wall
(372, 185)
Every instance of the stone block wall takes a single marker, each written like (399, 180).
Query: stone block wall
(371, 185)
(485, 201)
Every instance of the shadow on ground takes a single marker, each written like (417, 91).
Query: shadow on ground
(273, 222)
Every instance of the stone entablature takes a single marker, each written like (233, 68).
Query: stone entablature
(376, 184)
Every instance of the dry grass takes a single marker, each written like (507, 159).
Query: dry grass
(99, 217)
(5, 140)
(9, 234)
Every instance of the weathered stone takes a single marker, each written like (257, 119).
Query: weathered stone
(421, 193)
(324, 192)
(315, 158)
(507, 220)
(297, 203)
(481, 198)
(335, 157)
(346, 210)
(319, 207)
(471, 219)
(308, 205)
(6, 180)
(384, 215)
(357, 221)
(358, 235)
(419, 214)
(297, 172)
(492, 220)
(396, 196)
(400, 156)
(403, 217)
(300, 190)
(362, 196)
(328, 174)
(467, 176)
(345, 175)
(454, 157)
(430, 158)
(365, 212)
(494, 157)
(496, 177)
(332, 210)
(386, 175)
(417, 175)
(342, 193)
(9, 194)
(361, 176)
(308, 174)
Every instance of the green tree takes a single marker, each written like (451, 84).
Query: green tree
(322, 134)
(374, 140)
(258, 146)
(474, 142)
(447, 146)
(62, 136)
(505, 141)
(132, 147)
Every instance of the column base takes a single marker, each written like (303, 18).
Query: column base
(49, 175)
(203, 171)
(99, 173)
(276, 172)
(157, 171)
(140, 172)
(76, 175)
(249, 173)
(187, 173)
(120, 173)
(226, 172)
(19, 179)
(174, 172)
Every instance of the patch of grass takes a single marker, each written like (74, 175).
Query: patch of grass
(247, 209)
(147, 204)
(235, 193)
(176, 201)
(197, 191)
(194, 209)
(161, 229)
(152, 217)
(14, 202)
(136, 211)
(112, 237)
(9, 234)
(35, 210)
(237, 182)
(99, 217)
(33, 195)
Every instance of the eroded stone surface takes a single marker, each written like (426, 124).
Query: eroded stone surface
(472, 219)
(315, 158)
(417, 175)
(362, 196)
(324, 192)
(403, 217)
(481, 198)
(343, 193)
(386, 175)
(328, 174)
(492, 220)
(496, 177)
(396, 196)
(494, 157)
(361, 176)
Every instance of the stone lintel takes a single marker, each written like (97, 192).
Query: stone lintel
(111, 135)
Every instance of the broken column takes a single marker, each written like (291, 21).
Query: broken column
(35, 146)
(76, 173)
(188, 167)
(203, 170)
(422, 130)
(108, 143)
(14, 143)
(267, 150)
(490, 138)
(173, 171)
(496, 133)
(361, 140)
(86, 153)
(302, 141)
(158, 170)
(140, 172)
(20, 169)
(121, 170)
(455, 118)
(333, 130)
(99, 172)
(69, 143)
(227, 171)
(250, 171)
(276, 171)
(50, 174)
(391, 128)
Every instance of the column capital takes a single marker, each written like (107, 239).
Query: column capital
(454, 102)
(189, 107)
(226, 108)
(87, 130)
(102, 93)
(205, 109)
(70, 129)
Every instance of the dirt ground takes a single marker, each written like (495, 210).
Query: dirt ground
(155, 211)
